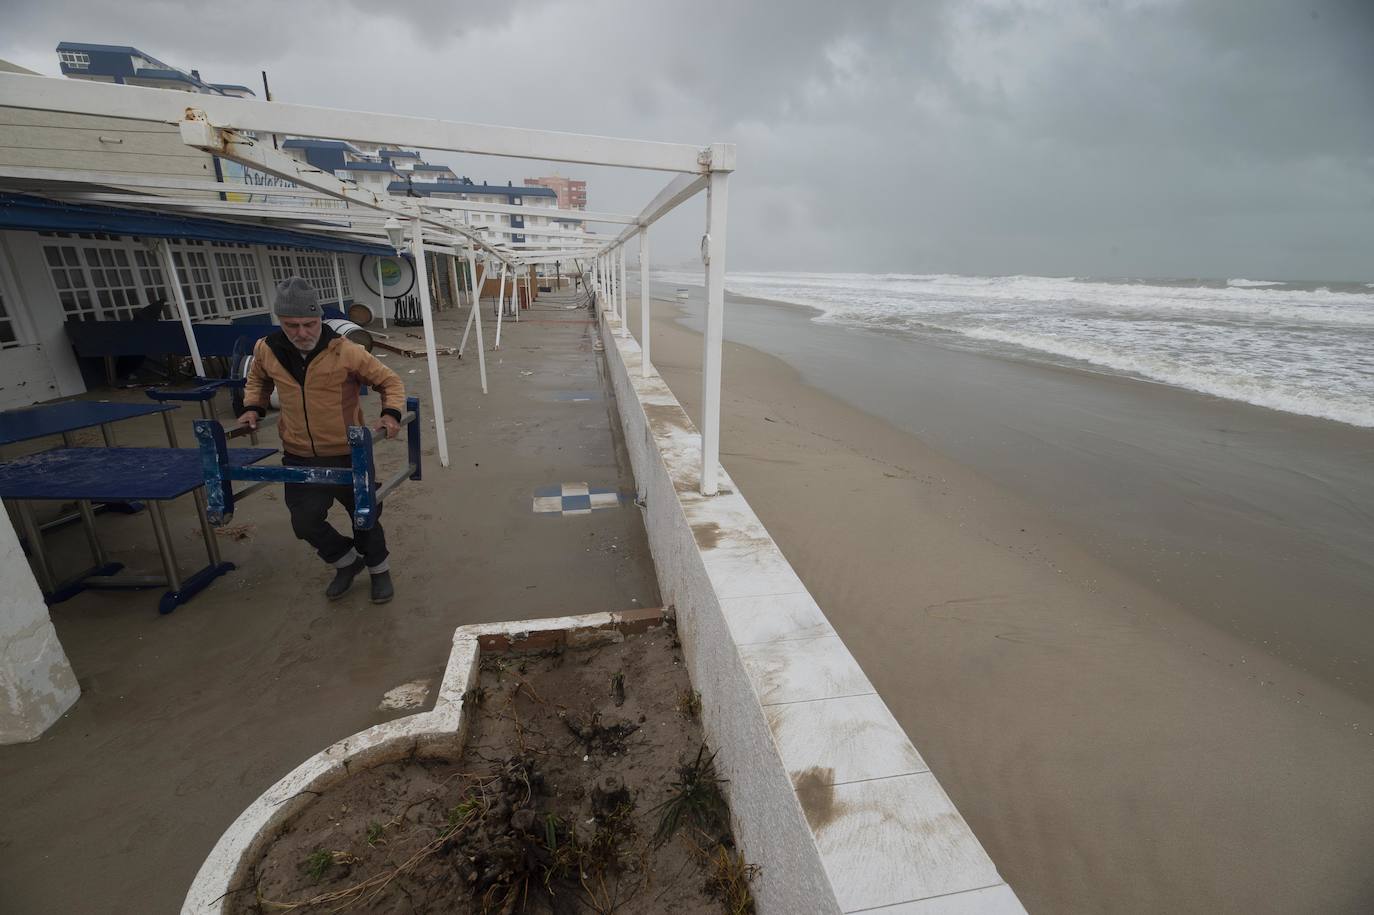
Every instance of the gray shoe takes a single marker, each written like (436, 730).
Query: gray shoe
(382, 591)
(343, 580)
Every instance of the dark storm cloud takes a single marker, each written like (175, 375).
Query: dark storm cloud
(1152, 137)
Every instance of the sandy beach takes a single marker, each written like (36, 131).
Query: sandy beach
(1099, 700)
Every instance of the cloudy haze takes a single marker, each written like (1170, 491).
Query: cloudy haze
(1117, 137)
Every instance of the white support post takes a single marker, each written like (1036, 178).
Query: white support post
(624, 304)
(169, 266)
(477, 314)
(716, 202)
(37, 684)
(338, 284)
(644, 302)
(614, 277)
(453, 280)
(473, 314)
(381, 293)
(269, 288)
(431, 356)
(500, 305)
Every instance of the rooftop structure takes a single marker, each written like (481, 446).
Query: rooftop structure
(129, 66)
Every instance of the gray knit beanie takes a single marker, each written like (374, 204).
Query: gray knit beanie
(296, 299)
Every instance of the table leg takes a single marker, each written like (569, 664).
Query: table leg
(35, 540)
(164, 544)
(171, 429)
(211, 544)
(107, 430)
(88, 524)
(67, 440)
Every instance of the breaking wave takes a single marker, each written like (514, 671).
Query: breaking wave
(1300, 348)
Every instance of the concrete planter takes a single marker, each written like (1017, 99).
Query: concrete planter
(438, 733)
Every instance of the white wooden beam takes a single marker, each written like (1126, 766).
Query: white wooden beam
(84, 97)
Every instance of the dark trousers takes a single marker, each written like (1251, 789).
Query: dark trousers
(309, 505)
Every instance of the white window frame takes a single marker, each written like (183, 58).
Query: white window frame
(77, 60)
(207, 297)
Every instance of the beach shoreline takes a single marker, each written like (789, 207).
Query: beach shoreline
(1078, 717)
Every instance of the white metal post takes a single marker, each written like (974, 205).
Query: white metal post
(624, 303)
(431, 356)
(644, 301)
(338, 284)
(381, 292)
(615, 284)
(476, 302)
(716, 201)
(169, 265)
(500, 305)
(453, 279)
(477, 314)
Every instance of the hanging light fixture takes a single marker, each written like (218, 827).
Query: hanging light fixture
(395, 233)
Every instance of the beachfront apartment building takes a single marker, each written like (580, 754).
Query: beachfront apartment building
(572, 195)
(465, 188)
(403, 160)
(128, 66)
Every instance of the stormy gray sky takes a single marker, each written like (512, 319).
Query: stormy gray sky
(1090, 137)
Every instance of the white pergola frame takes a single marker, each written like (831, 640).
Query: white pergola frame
(231, 127)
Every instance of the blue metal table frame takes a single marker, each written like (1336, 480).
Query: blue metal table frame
(155, 475)
(73, 415)
(220, 471)
(65, 418)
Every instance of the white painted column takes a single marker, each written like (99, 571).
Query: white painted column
(381, 293)
(644, 324)
(476, 315)
(716, 200)
(338, 284)
(432, 357)
(624, 302)
(500, 305)
(37, 684)
(611, 297)
(169, 266)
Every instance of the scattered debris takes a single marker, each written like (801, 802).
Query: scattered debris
(405, 696)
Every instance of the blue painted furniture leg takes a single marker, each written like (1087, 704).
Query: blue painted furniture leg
(192, 586)
(214, 458)
(413, 436)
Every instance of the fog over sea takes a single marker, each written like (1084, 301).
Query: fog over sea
(1305, 348)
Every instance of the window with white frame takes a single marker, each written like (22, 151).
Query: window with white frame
(112, 279)
(197, 280)
(69, 277)
(77, 60)
(238, 277)
(9, 337)
(315, 268)
(150, 278)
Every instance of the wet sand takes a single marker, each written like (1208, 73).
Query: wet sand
(1116, 745)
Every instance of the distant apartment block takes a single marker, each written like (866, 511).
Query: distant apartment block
(572, 195)
(107, 63)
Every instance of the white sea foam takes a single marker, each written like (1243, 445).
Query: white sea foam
(1298, 349)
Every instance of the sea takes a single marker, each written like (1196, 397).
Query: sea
(1304, 348)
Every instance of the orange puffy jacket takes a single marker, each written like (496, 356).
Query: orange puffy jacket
(318, 392)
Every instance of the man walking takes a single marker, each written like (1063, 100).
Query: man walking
(317, 374)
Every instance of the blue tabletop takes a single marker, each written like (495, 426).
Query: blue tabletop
(112, 474)
(50, 419)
